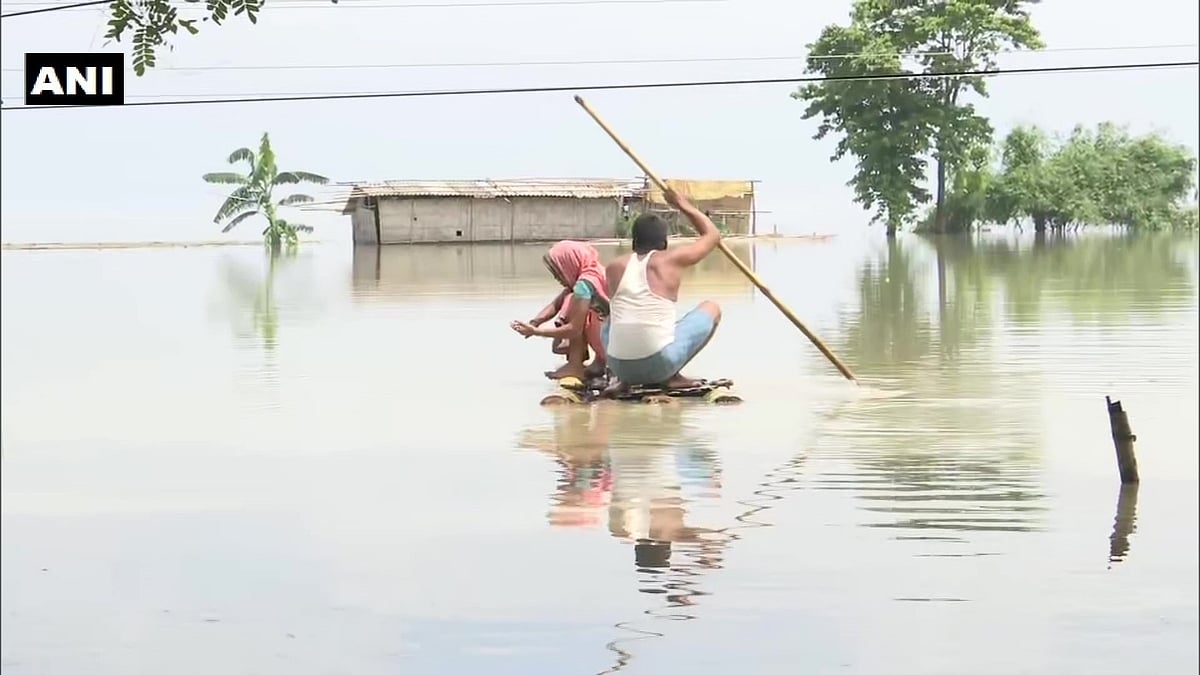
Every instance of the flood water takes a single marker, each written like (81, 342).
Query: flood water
(337, 464)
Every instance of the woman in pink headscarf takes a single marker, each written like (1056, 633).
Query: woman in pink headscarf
(579, 309)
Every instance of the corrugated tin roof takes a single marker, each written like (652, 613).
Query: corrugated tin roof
(577, 188)
(703, 190)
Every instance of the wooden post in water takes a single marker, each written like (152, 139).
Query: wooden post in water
(1123, 438)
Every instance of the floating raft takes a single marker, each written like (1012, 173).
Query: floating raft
(572, 391)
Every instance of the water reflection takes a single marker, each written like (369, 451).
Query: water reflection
(957, 464)
(492, 270)
(892, 328)
(583, 489)
(647, 469)
(957, 452)
(1124, 524)
(256, 292)
(248, 298)
(1092, 277)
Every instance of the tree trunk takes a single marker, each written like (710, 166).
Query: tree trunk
(891, 231)
(1039, 224)
(939, 215)
(952, 87)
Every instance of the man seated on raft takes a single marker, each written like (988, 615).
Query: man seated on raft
(644, 343)
(578, 310)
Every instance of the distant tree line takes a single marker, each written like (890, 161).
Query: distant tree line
(897, 126)
(1092, 177)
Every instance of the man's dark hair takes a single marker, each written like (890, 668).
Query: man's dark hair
(649, 233)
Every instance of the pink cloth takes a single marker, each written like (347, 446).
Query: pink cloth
(575, 261)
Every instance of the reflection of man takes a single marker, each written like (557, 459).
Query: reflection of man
(649, 494)
(640, 462)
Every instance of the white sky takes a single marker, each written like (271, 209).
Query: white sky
(134, 173)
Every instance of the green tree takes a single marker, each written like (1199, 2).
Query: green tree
(891, 125)
(1132, 181)
(1092, 177)
(254, 194)
(971, 197)
(1036, 183)
(148, 23)
(882, 123)
(959, 36)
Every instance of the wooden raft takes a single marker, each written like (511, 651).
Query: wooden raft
(572, 391)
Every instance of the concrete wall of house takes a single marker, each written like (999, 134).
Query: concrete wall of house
(362, 223)
(458, 219)
(475, 268)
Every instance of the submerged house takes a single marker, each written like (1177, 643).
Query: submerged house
(523, 210)
(728, 203)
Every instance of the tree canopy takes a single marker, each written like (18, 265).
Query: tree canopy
(1101, 176)
(895, 125)
(148, 23)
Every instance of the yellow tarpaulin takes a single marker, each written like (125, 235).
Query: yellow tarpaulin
(703, 190)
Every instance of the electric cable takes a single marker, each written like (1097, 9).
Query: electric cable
(646, 85)
(637, 61)
(333, 4)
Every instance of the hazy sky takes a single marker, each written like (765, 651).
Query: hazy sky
(134, 173)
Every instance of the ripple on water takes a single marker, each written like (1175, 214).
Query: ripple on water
(918, 466)
(387, 454)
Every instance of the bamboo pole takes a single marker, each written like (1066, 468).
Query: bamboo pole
(762, 287)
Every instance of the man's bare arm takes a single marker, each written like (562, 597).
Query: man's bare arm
(686, 256)
(612, 276)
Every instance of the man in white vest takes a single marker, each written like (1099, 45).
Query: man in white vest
(645, 343)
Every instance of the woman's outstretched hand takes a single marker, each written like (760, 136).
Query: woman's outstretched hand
(525, 329)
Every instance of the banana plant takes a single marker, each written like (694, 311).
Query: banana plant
(254, 194)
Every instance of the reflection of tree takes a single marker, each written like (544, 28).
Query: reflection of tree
(1093, 277)
(639, 462)
(964, 296)
(252, 300)
(898, 325)
(895, 330)
(955, 451)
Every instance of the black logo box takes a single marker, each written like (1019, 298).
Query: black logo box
(61, 64)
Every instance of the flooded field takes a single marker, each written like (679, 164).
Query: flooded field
(336, 463)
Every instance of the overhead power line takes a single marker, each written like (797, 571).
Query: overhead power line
(648, 85)
(637, 61)
(363, 4)
(54, 8)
